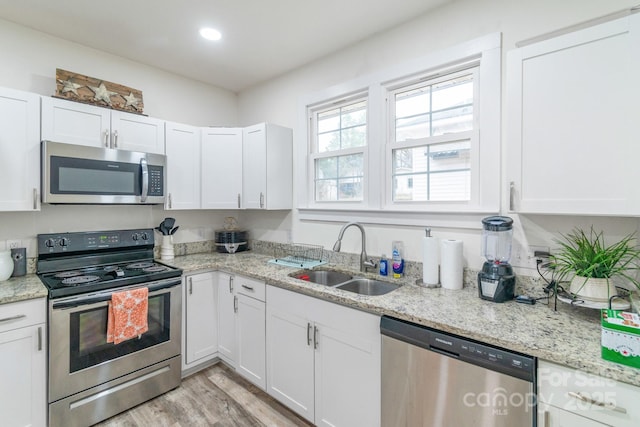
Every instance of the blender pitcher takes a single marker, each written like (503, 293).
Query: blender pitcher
(496, 281)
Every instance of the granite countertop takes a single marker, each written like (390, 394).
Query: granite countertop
(569, 336)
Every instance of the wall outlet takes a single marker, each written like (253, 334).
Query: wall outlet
(525, 258)
(13, 244)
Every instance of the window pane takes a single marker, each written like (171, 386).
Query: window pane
(329, 141)
(454, 120)
(413, 102)
(342, 127)
(415, 127)
(339, 178)
(354, 137)
(437, 172)
(453, 93)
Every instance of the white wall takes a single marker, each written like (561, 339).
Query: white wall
(28, 62)
(278, 101)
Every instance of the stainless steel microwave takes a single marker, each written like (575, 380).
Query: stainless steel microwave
(78, 174)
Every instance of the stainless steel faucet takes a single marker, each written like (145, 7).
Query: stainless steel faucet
(364, 262)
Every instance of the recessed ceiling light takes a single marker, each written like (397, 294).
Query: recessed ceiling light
(210, 34)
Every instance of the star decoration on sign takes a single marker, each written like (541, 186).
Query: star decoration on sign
(132, 101)
(69, 86)
(102, 94)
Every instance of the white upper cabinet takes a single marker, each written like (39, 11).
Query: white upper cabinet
(182, 146)
(19, 150)
(76, 123)
(222, 168)
(572, 131)
(267, 167)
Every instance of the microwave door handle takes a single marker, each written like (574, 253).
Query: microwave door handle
(145, 180)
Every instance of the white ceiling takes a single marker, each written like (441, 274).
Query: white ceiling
(261, 38)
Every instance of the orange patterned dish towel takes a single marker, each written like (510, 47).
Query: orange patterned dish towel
(127, 316)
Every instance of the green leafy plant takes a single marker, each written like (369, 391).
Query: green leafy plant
(587, 255)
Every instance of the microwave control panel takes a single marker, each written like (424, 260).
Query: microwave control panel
(156, 180)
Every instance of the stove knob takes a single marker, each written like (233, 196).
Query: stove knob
(50, 243)
(64, 241)
(145, 236)
(134, 237)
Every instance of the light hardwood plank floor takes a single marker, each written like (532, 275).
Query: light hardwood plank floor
(215, 396)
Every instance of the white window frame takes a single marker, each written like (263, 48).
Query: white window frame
(377, 207)
(314, 154)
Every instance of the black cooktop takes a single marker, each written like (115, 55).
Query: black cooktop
(84, 262)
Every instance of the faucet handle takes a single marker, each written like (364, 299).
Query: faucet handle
(370, 264)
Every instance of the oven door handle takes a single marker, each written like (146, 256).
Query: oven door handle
(154, 289)
(145, 180)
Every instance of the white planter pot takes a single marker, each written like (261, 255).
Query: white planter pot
(591, 289)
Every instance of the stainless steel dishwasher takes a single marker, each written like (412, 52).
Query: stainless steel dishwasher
(435, 379)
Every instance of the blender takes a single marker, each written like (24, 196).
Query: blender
(496, 281)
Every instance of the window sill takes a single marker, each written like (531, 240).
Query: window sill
(465, 220)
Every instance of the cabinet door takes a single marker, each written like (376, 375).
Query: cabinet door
(572, 122)
(550, 416)
(75, 123)
(254, 189)
(134, 132)
(201, 317)
(221, 168)
(182, 146)
(23, 377)
(19, 150)
(227, 308)
(347, 367)
(290, 352)
(251, 345)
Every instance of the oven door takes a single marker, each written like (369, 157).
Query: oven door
(79, 355)
(93, 175)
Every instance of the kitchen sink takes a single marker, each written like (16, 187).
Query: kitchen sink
(368, 287)
(322, 277)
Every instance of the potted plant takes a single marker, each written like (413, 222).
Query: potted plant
(592, 265)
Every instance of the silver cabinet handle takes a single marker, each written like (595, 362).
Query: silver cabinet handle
(115, 139)
(247, 287)
(230, 284)
(39, 338)
(9, 319)
(308, 333)
(106, 138)
(238, 200)
(512, 186)
(261, 200)
(190, 286)
(315, 337)
(170, 203)
(606, 405)
(35, 199)
(235, 303)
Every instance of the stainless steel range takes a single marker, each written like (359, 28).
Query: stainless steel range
(91, 379)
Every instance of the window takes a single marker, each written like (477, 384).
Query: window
(406, 141)
(339, 142)
(431, 124)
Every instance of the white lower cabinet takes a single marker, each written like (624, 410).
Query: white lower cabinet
(23, 358)
(200, 319)
(571, 398)
(242, 326)
(323, 359)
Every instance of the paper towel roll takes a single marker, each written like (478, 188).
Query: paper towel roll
(430, 260)
(451, 268)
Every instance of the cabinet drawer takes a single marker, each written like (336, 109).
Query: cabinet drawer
(23, 313)
(250, 287)
(591, 396)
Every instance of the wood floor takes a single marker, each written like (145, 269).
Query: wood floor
(215, 396)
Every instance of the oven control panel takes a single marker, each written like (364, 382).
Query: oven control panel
(55, 243)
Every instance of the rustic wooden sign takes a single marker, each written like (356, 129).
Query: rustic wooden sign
(89, 90)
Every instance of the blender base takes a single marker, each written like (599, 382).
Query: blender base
(496, 282)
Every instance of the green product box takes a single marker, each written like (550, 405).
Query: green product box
(621, 337)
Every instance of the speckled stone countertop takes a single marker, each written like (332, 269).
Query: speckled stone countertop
(21, 288)
(569, 336)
